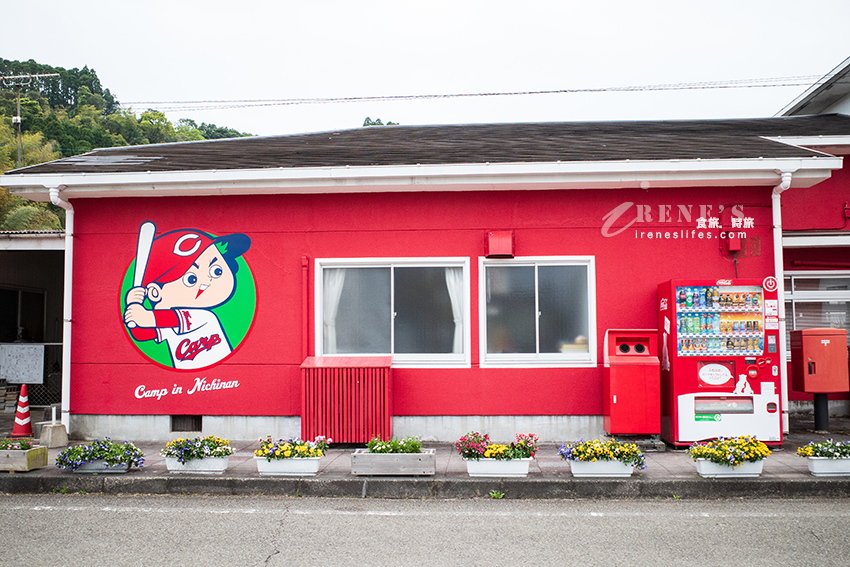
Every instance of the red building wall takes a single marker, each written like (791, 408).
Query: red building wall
(658, 242)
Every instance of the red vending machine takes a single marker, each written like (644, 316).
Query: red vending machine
(719, 360)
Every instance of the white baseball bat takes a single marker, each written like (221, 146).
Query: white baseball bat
(143, 251)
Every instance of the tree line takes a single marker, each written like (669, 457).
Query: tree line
(69, 115)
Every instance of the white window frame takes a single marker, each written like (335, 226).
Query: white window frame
(818, 296)
(403, 360)
(539, 360)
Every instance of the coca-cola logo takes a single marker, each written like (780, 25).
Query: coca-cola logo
(663, 306)
(724, 282)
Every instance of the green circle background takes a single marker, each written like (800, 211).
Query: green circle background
(236, 314)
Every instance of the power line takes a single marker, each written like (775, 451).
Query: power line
(18, 81)
(173, 105)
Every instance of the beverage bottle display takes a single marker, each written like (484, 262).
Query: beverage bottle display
(689, 298)
(682, 297)
(702, 297)
(715, 323)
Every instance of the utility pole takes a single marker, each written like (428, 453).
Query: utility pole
(18, 81)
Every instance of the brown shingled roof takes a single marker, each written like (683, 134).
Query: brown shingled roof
(468, 143)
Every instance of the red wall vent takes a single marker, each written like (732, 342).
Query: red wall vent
(500, 244)
(348, 399)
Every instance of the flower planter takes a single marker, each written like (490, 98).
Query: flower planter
(824, 466)
(207, 465)
(365, 463)
(14, 460)
(307, 466)
(707, 469)
(498, 467)
(100, 467)
(603, 469)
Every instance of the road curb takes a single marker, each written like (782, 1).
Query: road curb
(418, 488)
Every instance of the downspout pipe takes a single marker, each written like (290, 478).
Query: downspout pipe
(779, 270)
(66, 318)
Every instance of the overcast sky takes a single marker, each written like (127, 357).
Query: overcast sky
(151, 51)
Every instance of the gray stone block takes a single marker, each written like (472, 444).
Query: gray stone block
(53, 435)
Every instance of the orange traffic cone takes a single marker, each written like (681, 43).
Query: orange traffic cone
(23, 426)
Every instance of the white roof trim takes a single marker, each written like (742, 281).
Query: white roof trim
(417, 178)
(810, 141)
(52, 241)
(816, 240)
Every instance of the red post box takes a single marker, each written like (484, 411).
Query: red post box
(819, 367)
(631, 385)
(819, 361)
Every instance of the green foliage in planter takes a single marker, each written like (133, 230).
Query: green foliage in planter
(15, 444)
(409, 444)
(829, 449)
(111, 453)
(197, 448)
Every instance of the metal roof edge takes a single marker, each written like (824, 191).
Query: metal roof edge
(813, 92)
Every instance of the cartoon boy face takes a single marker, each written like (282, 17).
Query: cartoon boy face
(208, 282)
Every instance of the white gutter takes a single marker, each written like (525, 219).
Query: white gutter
(779, 271)
(620, 174)
(66, 326)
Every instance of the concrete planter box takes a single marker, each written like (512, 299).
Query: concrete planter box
(707, 469)
(207, 465)
(824, 466)
(14, 460)
(398, 464)
(100, 467)
(601, 469)
(307, 466)
(498, 468)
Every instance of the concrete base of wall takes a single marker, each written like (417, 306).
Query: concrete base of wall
(837, 408)
(501, 428)
(446, 428)
(158, 427)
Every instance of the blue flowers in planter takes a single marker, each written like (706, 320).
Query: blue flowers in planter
(112, 454)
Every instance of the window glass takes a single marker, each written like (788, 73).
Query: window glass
(563, 308)
(820, 314)
(817, 301)
(424, 322)
(363, 313)
(511, 309)
(821, 284)
(539, 311)
(397, 309)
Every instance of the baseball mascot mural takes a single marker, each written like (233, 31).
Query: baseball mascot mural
(184, 274)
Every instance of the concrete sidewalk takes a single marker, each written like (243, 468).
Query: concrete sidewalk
(669, 474)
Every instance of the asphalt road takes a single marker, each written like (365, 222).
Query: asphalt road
(93, 530)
